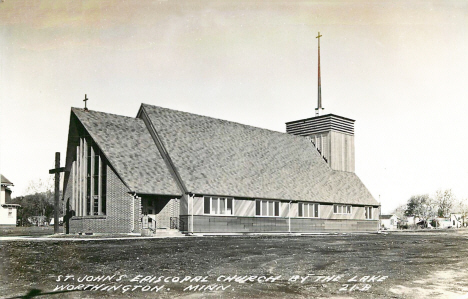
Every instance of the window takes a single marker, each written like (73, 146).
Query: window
(341, 209)
(267, 208)
(90, 173)
(308, 210)
(95, 167)
(218, 205)
(89, 186)
(10, 212)
(368, 212)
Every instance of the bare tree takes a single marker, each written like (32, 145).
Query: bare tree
(41, 185)
(400, 211)
(461, 207)
(421, 206)
(445, 201)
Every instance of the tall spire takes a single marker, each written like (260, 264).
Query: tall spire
(319, 98)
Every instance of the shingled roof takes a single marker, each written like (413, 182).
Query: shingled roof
(218, 157)
(5, 181)
(215, 157)
(130, 150)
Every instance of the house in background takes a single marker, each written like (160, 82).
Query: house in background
(7, 211)
(198, 174)
(389, 222)
(442, 222)
(453, 221)
(456, 220)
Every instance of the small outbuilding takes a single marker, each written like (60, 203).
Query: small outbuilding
(388, 222)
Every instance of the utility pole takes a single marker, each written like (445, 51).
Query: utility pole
(57, 170)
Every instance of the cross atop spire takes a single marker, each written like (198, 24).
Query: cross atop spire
(85, 101)
(319, 96)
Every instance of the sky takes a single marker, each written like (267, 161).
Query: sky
(399, 68)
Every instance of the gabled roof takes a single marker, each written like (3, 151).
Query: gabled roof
(129, 148)
(5, 181)
(218, 157)
(213, 157)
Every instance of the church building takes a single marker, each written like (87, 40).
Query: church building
(198, 174)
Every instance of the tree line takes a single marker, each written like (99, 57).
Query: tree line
(38, 204)
(427, 208)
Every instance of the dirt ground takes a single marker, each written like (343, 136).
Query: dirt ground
(426, 264)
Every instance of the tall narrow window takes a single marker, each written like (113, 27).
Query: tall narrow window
(88, 178)
(214, 206)
(207, 205)
(222, 205)
(90, 183)
(96, 181)
(104, 188)
(229, 209)
(368, 211)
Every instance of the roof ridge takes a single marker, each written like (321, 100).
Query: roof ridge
(226, 121)
(101, 112)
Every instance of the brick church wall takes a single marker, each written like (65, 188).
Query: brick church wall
(119, 216)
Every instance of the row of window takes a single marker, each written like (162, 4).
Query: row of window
(342, 209)
(219, 206)
(271, 208)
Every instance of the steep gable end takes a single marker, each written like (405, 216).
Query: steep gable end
(129, 149)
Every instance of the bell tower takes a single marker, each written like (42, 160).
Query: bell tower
(332, 135)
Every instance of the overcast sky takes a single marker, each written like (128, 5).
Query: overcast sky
(399, 68)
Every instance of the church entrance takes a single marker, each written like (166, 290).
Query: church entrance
(162, 210)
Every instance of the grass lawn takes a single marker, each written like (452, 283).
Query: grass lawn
(28, 230)
(394, 265)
